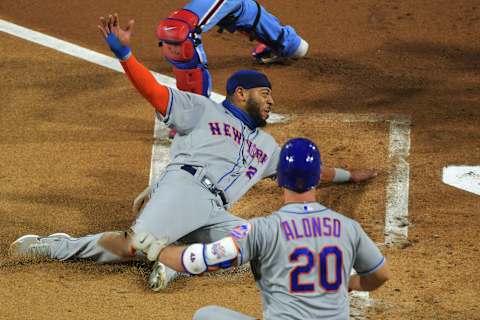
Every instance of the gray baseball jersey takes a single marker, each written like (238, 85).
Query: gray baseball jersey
(221, 138)
(302, 257)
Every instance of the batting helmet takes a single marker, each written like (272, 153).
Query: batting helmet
(299, 166)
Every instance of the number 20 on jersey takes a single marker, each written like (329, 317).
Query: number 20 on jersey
(329, 279)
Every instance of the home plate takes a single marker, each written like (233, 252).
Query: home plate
(463, 177)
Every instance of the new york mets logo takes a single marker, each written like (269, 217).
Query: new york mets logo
(242, 231)
(218, 250)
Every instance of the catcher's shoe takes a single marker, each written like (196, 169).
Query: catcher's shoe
(32, 245)
(161, 276)
(265, 55)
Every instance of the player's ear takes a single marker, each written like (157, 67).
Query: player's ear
(241, 94)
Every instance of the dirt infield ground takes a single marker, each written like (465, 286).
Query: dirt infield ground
(75, 147)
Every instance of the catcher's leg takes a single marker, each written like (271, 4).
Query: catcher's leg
(277, 41)
(182, 47)
(180, 38)
(219, 313)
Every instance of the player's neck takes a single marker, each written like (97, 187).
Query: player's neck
(291, 196)
(237, 103)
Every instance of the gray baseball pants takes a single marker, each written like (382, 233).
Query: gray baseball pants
(219, 313)
(180, 208)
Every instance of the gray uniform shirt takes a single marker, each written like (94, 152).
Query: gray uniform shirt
(302, 257)
(217, 137)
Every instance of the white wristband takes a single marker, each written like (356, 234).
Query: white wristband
(341, 175)
(220, 251)
(193, 259)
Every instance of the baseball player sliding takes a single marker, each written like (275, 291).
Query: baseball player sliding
(301, 255)
(219, 154)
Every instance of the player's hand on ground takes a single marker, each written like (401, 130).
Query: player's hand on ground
(111, 24)
(362, 175)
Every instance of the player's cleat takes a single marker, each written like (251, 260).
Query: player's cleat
(32, 245)
(60, 235)
(265, 55)
(29, 245)
(161, 276)
(301, 51)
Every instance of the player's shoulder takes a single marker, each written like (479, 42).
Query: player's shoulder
(302, 210)
(352, 227)
(265, 225)
(266, 135)
(346, 221)
(266, 221)
(193, 97)
(255, 228)
(266, 140)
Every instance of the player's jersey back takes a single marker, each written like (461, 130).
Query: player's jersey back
(302, 256)
(222, 139)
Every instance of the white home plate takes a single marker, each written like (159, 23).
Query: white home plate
(463, 177)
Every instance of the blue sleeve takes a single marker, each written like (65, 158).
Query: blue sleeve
(211, 12)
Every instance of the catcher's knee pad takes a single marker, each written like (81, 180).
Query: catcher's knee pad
(180, 38)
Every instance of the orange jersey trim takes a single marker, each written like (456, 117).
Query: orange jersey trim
(156, 93)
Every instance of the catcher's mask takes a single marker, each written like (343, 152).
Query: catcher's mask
(299, 166)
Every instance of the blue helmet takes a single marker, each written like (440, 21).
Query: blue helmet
(299, 165)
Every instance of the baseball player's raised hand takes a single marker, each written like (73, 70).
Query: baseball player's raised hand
(117, 38)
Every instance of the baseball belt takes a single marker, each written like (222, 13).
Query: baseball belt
(207, 183)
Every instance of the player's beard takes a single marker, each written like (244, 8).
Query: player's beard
(253, 110)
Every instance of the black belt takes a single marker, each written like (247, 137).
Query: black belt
(206, 182)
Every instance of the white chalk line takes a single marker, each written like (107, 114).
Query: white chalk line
(396, 218)
(397, 189)
(398, 182)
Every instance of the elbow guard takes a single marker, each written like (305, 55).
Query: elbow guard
(197, 258)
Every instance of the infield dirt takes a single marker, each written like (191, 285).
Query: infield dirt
(75, 146)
